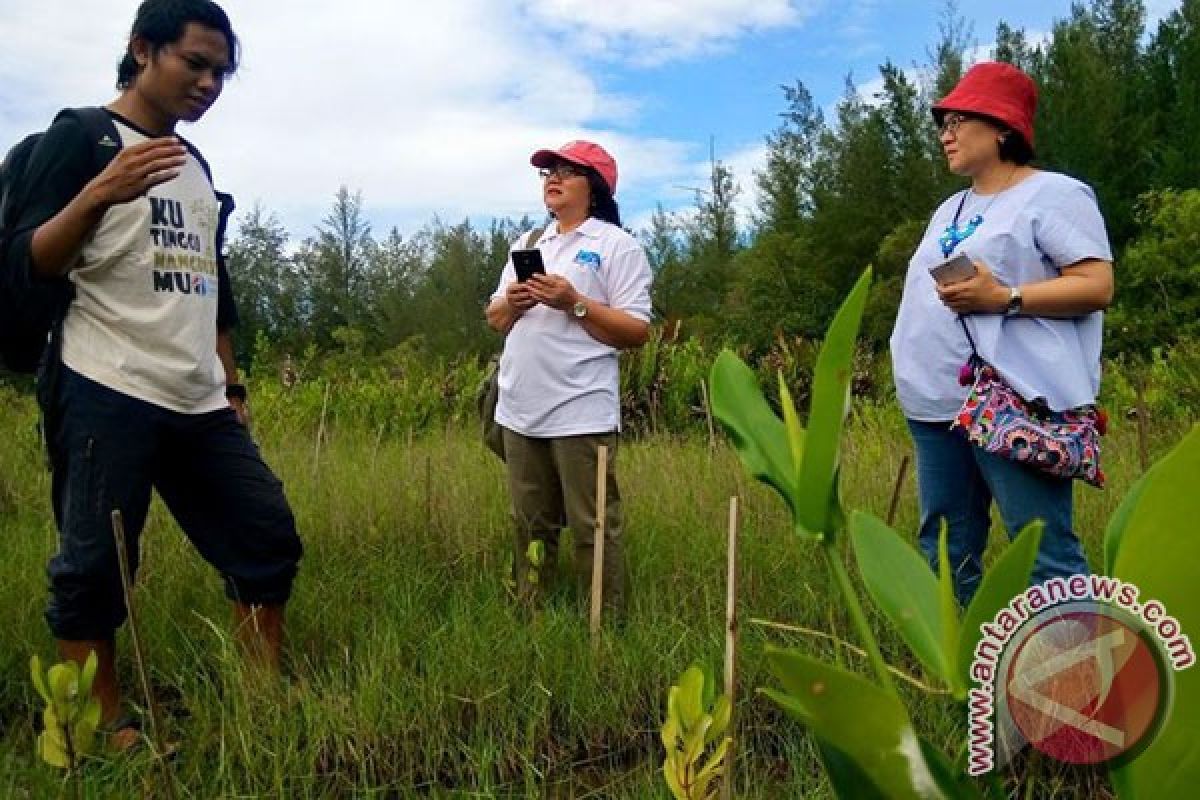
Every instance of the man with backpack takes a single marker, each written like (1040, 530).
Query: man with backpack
(138, 386)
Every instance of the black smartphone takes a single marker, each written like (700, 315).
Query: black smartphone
(528, 263)
(952, 270)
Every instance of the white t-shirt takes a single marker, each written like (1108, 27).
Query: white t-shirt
(1029, 233)
(555, 379)
(144, 317)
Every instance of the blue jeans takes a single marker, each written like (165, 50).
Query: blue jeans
(958, 481)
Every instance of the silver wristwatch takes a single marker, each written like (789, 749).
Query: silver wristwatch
(1015, 302)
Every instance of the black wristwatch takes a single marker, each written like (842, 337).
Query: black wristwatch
(235, 391)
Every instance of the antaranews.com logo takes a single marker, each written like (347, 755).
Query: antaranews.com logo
(1076, 667)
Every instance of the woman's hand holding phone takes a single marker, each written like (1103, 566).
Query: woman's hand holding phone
(519, 297)
(979, 293)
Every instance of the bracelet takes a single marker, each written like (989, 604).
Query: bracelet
(235, 391)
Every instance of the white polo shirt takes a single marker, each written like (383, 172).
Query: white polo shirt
(555, 379)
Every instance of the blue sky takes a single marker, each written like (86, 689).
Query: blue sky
(432, 108)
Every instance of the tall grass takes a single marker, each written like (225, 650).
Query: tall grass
(410, 672)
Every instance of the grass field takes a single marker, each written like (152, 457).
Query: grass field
(410, 672)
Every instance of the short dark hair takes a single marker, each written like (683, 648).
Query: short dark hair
(602, 205)
(1014, 148)
(163, 22)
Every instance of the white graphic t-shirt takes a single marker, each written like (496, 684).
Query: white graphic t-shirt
(144, 318)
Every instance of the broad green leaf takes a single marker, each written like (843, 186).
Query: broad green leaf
(862, 721)
(673, 782)
(1115, 530)
(712, 766)
(953, 783)
(830, 401)
(688, 700)
(63, 680)
(847, 780)
(1003, 581)
(792, 421)
(52, 745)
(1158, 553)
(88, 675)
(948, 607)
(902, 585)
(670, 731)
(722, 711)
(760, 437)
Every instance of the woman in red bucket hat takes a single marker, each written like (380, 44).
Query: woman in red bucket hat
(1028, 301)
(559, 397)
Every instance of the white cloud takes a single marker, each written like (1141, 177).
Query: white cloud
(650, 31)
(424, 107)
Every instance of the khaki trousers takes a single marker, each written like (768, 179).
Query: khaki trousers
(552, 483)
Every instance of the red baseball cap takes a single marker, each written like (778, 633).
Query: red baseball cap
(585, 154)
(997, 90)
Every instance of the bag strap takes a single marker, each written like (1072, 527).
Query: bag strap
(970, 339)
(534, 236)
(101, 132)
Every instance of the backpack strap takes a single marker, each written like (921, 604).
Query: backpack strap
(101, 132)
(534, 237)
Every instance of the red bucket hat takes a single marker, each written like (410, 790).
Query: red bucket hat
(585, 154)
(997, 90)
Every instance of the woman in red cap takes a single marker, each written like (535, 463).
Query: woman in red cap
(559, 394)
(1042, 276)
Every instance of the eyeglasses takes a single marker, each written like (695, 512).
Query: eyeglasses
(563, 171)
(951, 122)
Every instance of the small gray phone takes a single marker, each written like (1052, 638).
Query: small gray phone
(952, 270)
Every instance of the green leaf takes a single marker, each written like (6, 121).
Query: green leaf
(903, 587)
(760, 437)
(673, 780)
(1003, 581)
(862, 721)
(952, 783)
(1119, 521)
(847, 780)
(63, 680)
(712, 768)
(792, 421)
(722, 711)
(948, 609)
(52, 745)
(88, 675)
(689, 698)
(1158, 553)
(830, 402)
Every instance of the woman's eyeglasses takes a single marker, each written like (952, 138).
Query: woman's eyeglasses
(951, 123)
(563, 171)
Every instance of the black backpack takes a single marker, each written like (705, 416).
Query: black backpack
(31, 309)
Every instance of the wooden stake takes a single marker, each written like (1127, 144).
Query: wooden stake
(731, 627)
(900, 475)
(321, 433)
(139, 660)
(598, 541)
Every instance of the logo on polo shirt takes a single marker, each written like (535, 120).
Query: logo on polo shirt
(588, 258)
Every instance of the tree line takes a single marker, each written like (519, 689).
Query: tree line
(1119, 109)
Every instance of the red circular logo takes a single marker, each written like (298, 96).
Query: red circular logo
(1087, 685)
